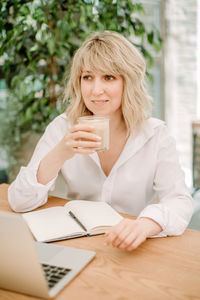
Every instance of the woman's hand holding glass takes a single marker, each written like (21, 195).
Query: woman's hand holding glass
(80, 139)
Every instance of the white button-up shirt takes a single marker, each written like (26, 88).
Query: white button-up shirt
(148, 165)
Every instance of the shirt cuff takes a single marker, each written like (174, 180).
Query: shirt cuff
(170, 222)
(26, 193)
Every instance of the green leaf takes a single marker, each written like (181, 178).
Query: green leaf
(37, 41)
(51, 46)
(150, 37)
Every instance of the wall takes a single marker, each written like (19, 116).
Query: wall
(180, 59)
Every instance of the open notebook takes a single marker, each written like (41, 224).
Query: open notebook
(74, 219)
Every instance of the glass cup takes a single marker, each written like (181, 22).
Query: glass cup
(101, 128)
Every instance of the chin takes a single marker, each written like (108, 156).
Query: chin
(99, 112)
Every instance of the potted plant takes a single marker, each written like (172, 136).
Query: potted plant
(37, 40)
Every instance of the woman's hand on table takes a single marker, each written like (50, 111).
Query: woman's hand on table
(129, 234)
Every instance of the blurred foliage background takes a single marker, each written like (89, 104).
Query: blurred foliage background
(37, 41)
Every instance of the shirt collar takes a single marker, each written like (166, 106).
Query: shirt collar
(134, 143)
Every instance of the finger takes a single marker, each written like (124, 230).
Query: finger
(133, 241)
(121, 237)
(81, 127)
(85, 136)
(110, 238)
(85, 144)
(133, 235)
(83, 150)
(129, 240)
(122, 224)
(122, 229)
(138, 241)
(114, 232)
(126, 230)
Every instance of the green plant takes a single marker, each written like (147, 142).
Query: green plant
(38, 39)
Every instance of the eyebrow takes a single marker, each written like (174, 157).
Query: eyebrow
(85, 71)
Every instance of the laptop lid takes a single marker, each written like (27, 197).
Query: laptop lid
(21, 258)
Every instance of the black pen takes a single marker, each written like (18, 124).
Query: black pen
(77, 220)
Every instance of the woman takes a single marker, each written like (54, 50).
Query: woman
(107, 78)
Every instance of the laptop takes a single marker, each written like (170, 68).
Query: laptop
(35, 268)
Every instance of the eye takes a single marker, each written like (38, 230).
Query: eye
(86, 77)
(109, 77)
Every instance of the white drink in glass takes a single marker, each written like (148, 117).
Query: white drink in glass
(101, 128)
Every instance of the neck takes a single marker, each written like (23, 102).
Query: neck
(117, 123)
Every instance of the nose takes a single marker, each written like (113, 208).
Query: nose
(98, 87)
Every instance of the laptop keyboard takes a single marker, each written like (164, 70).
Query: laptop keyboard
(54, 274)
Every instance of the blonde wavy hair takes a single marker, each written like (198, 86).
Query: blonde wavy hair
(111, 54)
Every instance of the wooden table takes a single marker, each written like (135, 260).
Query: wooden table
(161, 268)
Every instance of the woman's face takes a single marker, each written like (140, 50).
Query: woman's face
(102, 93)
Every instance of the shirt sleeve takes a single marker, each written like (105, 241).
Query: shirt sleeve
(26, 193)
(176, 205)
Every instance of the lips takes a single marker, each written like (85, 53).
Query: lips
(100, 101)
